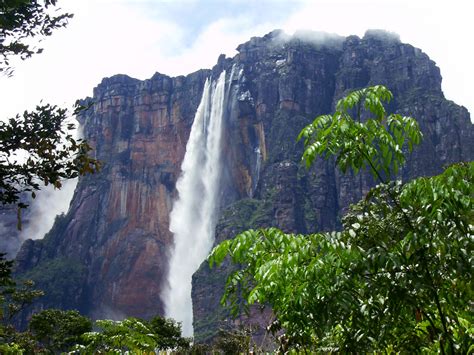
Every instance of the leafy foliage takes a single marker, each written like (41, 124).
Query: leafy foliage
(376, 143)
(21, 20)
(13, 299)
(168, 333)
(134, 335)
(59, 330)
(36, 147)
(398, 277)
(233, 342)
(39, 148)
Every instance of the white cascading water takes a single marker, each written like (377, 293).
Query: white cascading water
(193, 217)
(258, 165)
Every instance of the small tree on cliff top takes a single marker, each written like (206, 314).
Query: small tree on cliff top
(399, 275)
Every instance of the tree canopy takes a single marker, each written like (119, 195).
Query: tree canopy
(398, 277)
(36, 147)
(14, 298)
(59, 330)
(133, 335)
(23, 20)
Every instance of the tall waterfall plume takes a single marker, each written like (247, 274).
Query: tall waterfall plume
(193, 217)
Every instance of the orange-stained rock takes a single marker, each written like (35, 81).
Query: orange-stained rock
(117, 226)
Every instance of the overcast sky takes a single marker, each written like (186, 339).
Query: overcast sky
(139, 38)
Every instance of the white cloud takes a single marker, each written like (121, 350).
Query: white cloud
(219, 37)
(48, 204)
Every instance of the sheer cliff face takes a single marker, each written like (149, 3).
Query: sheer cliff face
(114, 238)
(118, 221)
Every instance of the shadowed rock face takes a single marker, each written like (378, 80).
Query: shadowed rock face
(107, 256)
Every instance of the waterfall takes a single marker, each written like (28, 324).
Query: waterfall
(258, 165)
(193, 217)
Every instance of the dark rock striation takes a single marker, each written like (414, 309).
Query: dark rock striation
(107, 256)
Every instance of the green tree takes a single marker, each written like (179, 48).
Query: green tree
(36, 147)
(59, 330)
(168, 333)
(134, 335)
(13, 299)
(39, 148)
(22, 20)
(233, 342)
(398, 277)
